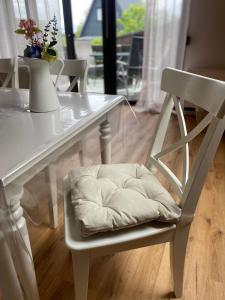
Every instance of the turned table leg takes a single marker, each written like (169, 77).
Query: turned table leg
(17, 237)
(51, 179)
(105, 142)
(9, 283)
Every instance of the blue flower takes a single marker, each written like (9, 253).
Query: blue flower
(33, 52)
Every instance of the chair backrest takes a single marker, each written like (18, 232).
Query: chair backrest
(97, 48)
(72, 68)
(209, 94)
(9, 72)
(125, 47)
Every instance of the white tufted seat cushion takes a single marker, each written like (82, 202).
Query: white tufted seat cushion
(112, 197)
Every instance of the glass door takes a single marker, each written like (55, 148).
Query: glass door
(130, 40)
(115, 67)
(87, 22)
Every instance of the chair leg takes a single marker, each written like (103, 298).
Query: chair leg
(177, 258)
(81, 274)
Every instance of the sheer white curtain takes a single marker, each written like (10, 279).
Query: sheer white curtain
(8, 47)
(166, 25)
(11, 11)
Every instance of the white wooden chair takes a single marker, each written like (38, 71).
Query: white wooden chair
(9, 71)
(78, 70)
(203, 92)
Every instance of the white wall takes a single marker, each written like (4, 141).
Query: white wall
(207, 35)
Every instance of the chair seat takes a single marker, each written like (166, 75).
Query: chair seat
(118, 196)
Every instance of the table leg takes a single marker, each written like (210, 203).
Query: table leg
(9, 283)
(51, 178)
(18, 239)
(105, 142)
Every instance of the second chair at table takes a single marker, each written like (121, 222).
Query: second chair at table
(9, 72)
(76, 70)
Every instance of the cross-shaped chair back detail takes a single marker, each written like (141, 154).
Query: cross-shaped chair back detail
(75, 68)
(208, 94)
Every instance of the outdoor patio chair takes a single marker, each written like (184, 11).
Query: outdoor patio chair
(84, 50)
(130, 71)
(111, 208)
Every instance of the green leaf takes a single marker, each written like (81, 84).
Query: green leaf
(20, 31)
(53, 43)
(37, 30)
(51, 52)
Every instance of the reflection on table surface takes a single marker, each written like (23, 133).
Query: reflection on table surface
(24, 134)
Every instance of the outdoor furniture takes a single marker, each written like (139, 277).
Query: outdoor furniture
(130, 71)
(29, 143)
(84, 51)
(113, 190)
(120, 54)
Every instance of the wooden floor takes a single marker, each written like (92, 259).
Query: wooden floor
(143, 273)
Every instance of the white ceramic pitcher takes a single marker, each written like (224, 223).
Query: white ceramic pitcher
(43, 96)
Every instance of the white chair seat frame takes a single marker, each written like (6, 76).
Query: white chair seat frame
(206, 93)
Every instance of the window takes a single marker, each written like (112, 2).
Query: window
(99, 14)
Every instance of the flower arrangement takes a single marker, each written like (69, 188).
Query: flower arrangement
(39, 45)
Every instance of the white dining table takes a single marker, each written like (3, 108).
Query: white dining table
(30, 142)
